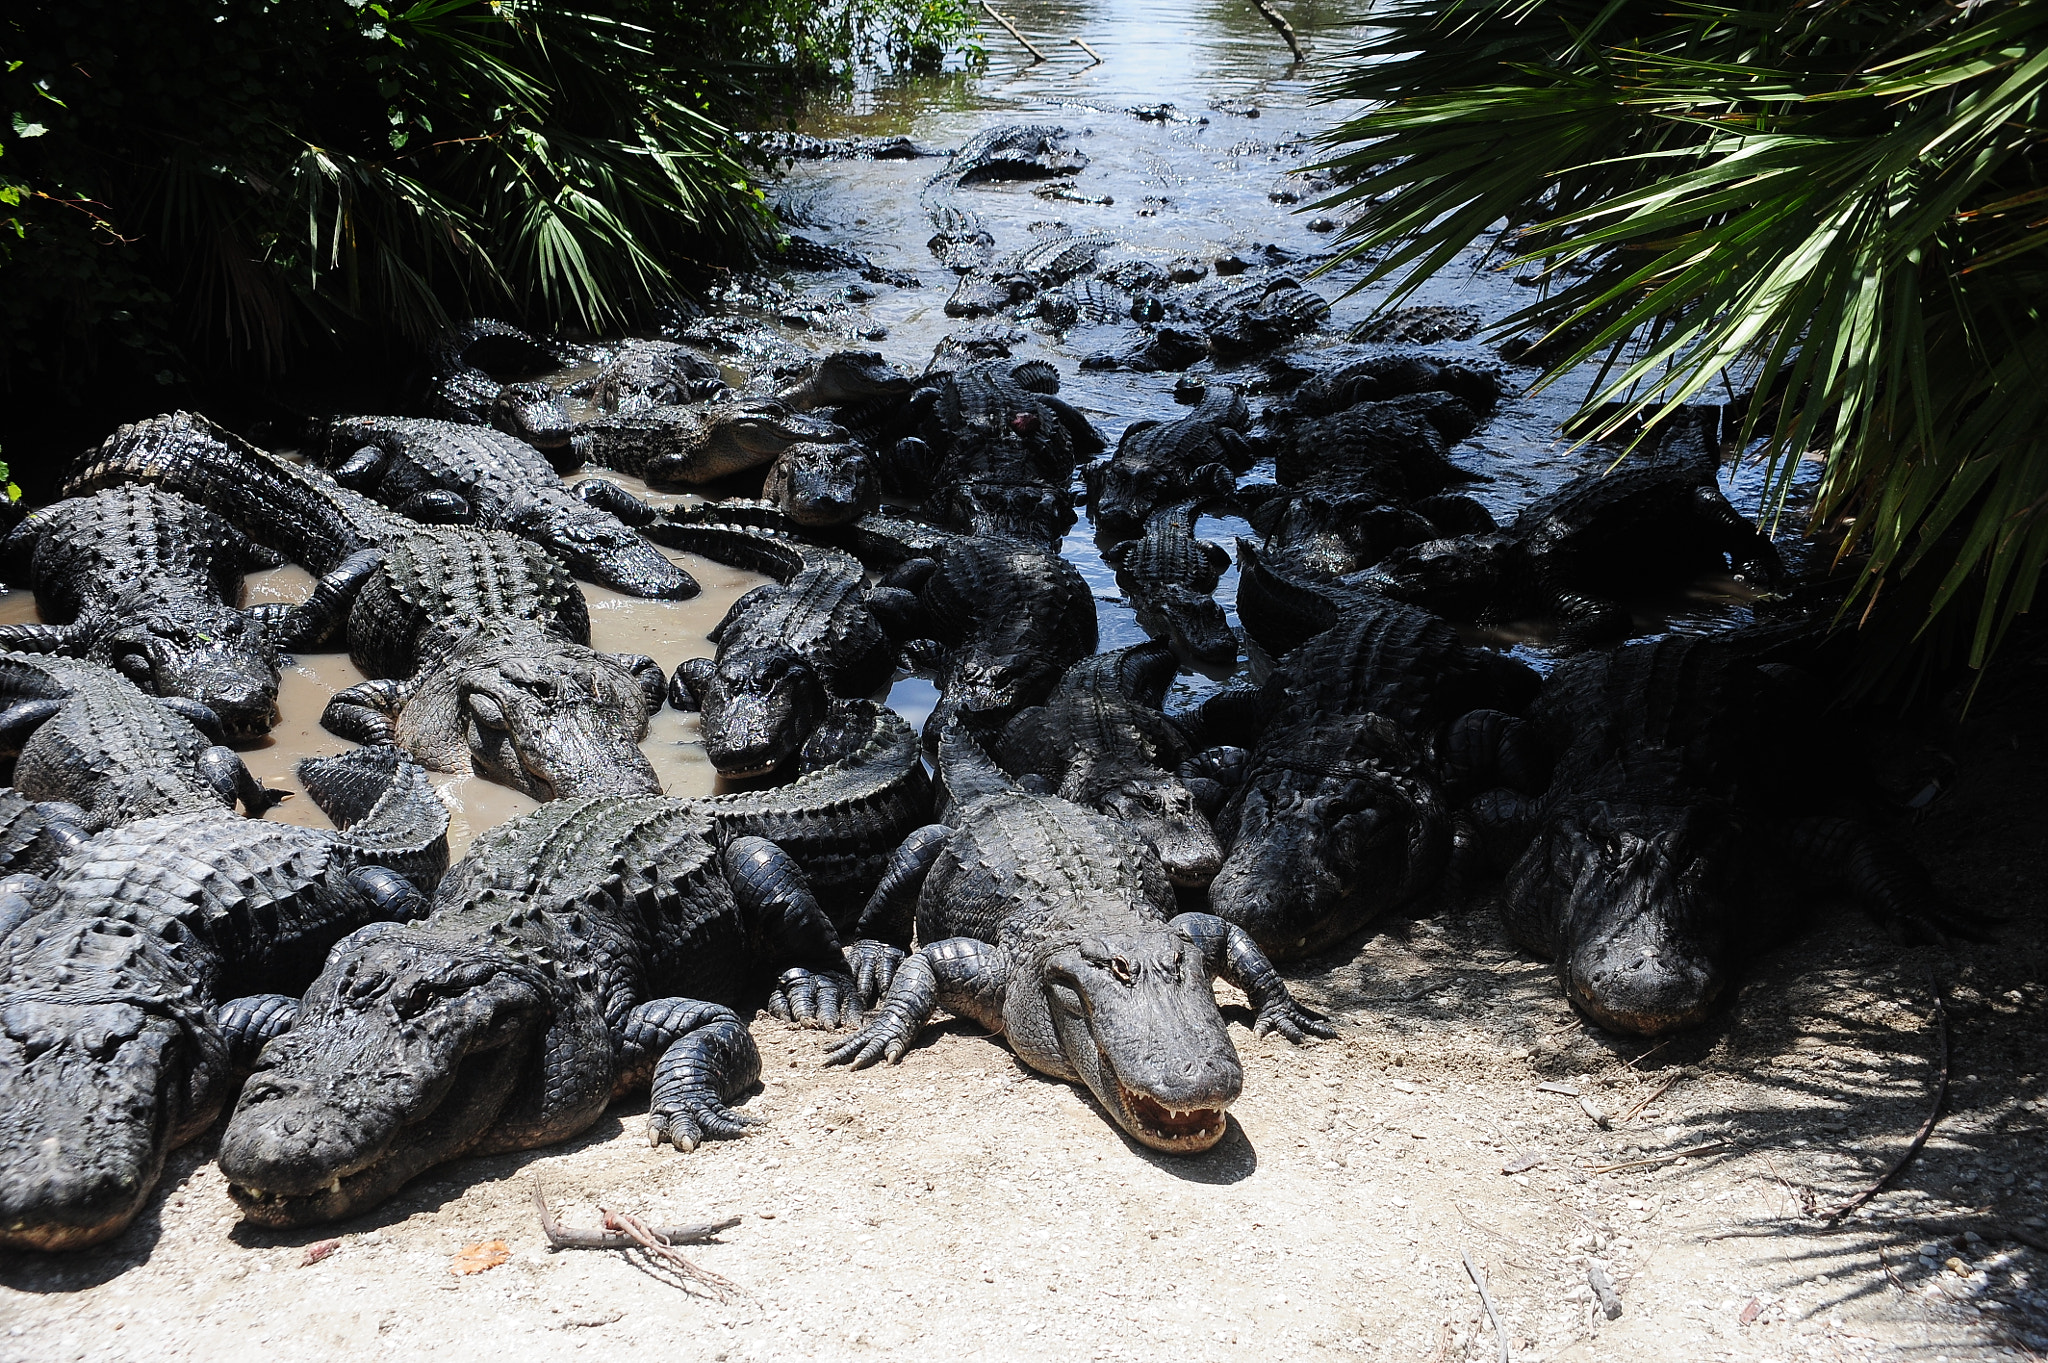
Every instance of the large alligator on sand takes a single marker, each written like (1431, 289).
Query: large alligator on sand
(783, 650)
(146, 582)
(85, 735)
(139, 979)
(442, 472)
(1054, 926)
(1688, 812)
(1101, 741)
(577, 954)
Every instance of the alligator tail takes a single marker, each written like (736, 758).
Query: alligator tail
(966, 771)
(738, 546)
(386, 808)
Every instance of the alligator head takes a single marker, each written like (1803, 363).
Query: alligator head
(846, 377)
(1036, 513)
(743, 436)
(531, 411)
(1190, 622)
(598, 546)
(983, 690)
(547, 718)
(406, 1052)
(1645, 905)
(1458, 575)
(1134, 1016)
(1163, 812)
(220, 657)
(96, 1090)
(823, 485)
(760, 702)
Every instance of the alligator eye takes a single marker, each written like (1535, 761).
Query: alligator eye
(1120, 968)
(486, 711)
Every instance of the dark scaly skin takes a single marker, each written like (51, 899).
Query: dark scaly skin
(861, 789)
(1688, 797)
(783, 650)
(1157, 464)
(1053, 925)
(480, 643)
(1397, 448)
(123, 1031)
(1021, 274)
(472, 475)
(1025, 152)
(86, 735)
(146, 582)
(1100, 741)
(464, 392)
(1377, 378)
(575, 955)
(847, 378)
(699, 442)
(1170, 577)
(820, 486)
(1253, 314)
(652, 374)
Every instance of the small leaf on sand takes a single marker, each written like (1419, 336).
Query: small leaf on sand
(478, 1257)
(318, 1251)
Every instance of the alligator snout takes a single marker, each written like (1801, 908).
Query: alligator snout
(1642, 987)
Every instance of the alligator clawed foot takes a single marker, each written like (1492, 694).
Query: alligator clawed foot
(1292, 1021)
(882, 1039)
(874, 966)
(816, 998)
(696, 1121)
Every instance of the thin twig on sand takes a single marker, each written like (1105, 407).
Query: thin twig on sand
(622, 1231)
(1711, 1148)
(1486, 1300)
(1933, 1112)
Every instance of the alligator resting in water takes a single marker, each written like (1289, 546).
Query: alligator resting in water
(1100, 741)
(1687, 807)
(467, 359)
(697, 443)
(442, 472)
(117, 1044)
(575, 955)
(1158, 463)
(146, 582)
(1054, 926)
(1170, 577)
(819, 486)
(651, 374)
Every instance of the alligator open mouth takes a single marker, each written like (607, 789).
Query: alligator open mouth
(1179, 1131)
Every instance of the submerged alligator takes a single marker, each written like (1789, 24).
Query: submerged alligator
(577, 954)
(139, 979)
(1054, 926)
(442, 472)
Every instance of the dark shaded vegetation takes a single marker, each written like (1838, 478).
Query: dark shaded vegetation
(237, 198)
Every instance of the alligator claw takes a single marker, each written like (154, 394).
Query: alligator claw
(1292, 1021)
(882, 1039)
(874, 968)
(815, 998)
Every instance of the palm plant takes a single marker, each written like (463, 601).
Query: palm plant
(1836, 206)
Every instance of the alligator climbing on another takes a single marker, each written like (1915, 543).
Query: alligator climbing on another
(1249, 315)
(478, 644)
(698, 443)
(467, 358)
(1158, 463)
(577, 954)
(146, 582)
(1170, 577)
(1380, 377)
(783, 650)
(1054, 926)
(847, 378)
(651, 374)
(441, 472)
(1689, 808)
(860, 790)
(1333, 530)
(1002, 447)
(142, 975)
(84, 734)
(1101, 741)
(1658, 520)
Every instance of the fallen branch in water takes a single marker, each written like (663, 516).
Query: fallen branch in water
(1279, 21)
(622, 1231)
(1933, 1113)
(1036, 55)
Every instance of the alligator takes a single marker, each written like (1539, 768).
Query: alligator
(804, 147)
(1170, 577)
(1658, 519)
(444, 473)
(783, 650)
(1094, 302)
(139, 979)
(1100, 741)
(1378, 377)
(1008, 619)
(699, 442)
(1334, 530)
(1158, 463)
(465, 359)
(1688, 803)
(861, 789)
(1336, 818)
(1258, 313)
(802, 253)
(821, 485)
(1029, 152)
(994, 397)
(1054, 926)
(577, 954)
(84, 734)
(478, 646)
(146, 582)
(1022, 274)
(989, 484)
(847, 378)
(651, 374)
(1398, 446)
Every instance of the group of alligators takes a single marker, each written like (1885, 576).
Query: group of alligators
(1073, 871)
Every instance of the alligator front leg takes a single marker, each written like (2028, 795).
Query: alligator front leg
(698, 1057)
(365, 713)
(785, 921)
(965, 976)
(1890, 884)
(249, 1023)
(653, 681)
(225, 771)
(317, 619)
(687, 687)
(39, 638)
(608, 496)
(891, 911)
(1229, 952)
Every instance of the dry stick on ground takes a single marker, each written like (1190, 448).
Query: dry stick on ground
(1713, 1147)
(719, 1286)
(1278, 21)
(1636, 1108)
(1486, 1300)
(1036, 55)
(1603, 1288)
(1933, 1113)
(627, 1232)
